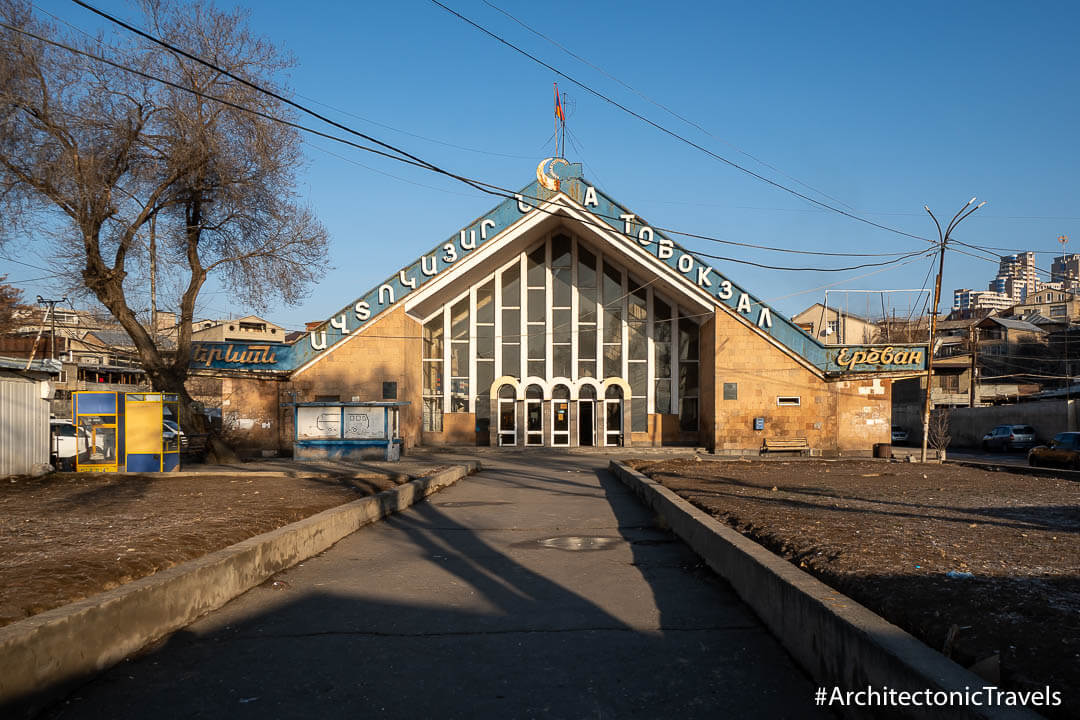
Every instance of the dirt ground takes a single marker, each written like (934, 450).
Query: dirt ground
(66, 536)
(889, 534)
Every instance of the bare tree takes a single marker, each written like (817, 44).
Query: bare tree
(10, 302)
(104, 155)
(938, 436)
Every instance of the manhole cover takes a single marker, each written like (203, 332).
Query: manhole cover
(577, 542)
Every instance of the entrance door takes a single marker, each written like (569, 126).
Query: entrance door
(560, 416)
(534, 415)
(507, 416)
(586, 423)
(613, 416)
(507, 429)
(560, 422)
(534, 422)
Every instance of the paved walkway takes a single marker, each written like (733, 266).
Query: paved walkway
(538, 588)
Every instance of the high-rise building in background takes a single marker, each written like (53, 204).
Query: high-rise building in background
(1066, 270)
(1016, 276)
(965, 300)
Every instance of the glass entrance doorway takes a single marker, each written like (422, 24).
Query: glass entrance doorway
(613, 416)
(534, 415)
(587, 416)
(560, 416)
(507, 419)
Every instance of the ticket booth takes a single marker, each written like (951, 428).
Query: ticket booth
(152, 433)
(99, 417)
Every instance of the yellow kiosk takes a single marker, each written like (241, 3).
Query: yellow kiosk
(152, 432)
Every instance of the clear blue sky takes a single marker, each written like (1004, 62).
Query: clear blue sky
(883, 107)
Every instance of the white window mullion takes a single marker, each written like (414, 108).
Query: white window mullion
(447, 343)
(625, 325)
(498, 324)
(599, 269)
(675, 358)
(472, 349)
(650, 379)
(523, 320)
(573, 312)
(549, 337)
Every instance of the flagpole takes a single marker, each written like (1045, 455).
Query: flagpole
(562, 123)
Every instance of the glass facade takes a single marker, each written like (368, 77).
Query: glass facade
(561, 318)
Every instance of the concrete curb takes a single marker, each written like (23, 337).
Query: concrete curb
(45, 655)
(837, 641)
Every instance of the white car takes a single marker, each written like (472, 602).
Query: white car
(66, 443)
(899, 435)
(170, 430)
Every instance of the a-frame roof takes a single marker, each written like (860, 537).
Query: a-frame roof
(562, 195)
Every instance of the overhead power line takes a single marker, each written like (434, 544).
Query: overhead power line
(660, 105)
(477, 184)
(666, 131)
(487, 188)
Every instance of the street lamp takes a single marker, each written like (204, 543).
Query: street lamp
(943, 239)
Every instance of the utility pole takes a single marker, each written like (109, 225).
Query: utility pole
(974, 365)
(1066, 285)
(153, 277)
(51, 313)
(943, 241)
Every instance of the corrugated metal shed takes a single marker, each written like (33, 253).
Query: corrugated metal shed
(24, 422)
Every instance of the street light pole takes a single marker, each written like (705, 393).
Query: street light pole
(943, 239)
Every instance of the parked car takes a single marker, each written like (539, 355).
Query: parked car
(1063, 451)
(899, 435)
(1009, 437)
(170, 431)
(66, 443)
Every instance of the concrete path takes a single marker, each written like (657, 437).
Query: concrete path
(537, 588)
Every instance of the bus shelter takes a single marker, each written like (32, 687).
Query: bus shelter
(152, 437)
(346, 430)
(133, 432)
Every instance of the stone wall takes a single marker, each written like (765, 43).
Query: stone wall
(839, 417)
(251, 414)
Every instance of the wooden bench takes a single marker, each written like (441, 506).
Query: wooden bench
(799, 445)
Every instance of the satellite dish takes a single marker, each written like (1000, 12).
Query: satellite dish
(545, 173)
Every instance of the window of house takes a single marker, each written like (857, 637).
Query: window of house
(485, 349)
(612, 320)
(562, 323)
(433, 374)
(788, 400)
(511, 321)
(688, 375)
(662, 355)
(587, 297)
(536, 314)
(459, 356)
(637, 355)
